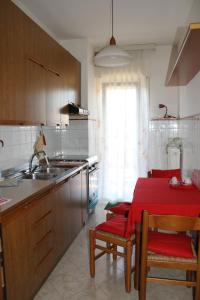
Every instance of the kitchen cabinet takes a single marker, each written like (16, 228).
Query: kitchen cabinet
(39, 77)
(16, 258)
(184, 61)
(12, 85)
(37, 233)
(75, 205)
(53, 98)
(71, 209)
(74, 82)
(62, 219)
(35, 107)
(28, 246)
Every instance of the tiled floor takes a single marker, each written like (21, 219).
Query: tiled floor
(70, 280)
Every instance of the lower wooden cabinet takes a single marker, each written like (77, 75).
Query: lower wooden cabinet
(35, 235)
(16, 260)
(62, 220)
(75, 205)
(28, 246)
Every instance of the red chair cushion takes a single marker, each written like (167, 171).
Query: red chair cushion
(166, 173)
(115, 225)
(121, 209)
(170, 244)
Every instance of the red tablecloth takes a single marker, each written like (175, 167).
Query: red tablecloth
(156, 196)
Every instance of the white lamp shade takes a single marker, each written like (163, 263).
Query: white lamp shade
(112, 56)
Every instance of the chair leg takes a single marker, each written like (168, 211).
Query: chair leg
(128, 266)
(137, 261)
(189, 276)
(92, 252)
(115, 249)
(108, 217)
(142, 286)
(197, 289)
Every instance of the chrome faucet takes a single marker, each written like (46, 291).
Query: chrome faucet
(32, 157)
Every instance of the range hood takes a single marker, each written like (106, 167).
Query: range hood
(77, 110)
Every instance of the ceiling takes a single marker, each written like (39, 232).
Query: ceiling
(135, 21)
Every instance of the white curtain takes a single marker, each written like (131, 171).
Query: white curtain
(123, 140)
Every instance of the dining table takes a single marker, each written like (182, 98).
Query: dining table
(158, 196)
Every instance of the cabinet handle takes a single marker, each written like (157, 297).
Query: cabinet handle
(53, 72)
(36, 62)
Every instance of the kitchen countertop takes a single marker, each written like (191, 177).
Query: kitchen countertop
(29, 188)
(26, 189)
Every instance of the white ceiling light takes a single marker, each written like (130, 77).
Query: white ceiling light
(112, 56)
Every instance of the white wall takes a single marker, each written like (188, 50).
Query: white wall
(159, 93)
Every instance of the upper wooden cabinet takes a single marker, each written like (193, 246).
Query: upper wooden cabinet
(39, 77)
(12, 68)
(184, 60)
(73, 70)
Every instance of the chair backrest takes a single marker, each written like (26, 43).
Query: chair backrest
(168, 222)
(172, 222)
(157, 173)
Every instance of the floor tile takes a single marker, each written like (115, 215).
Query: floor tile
(70, 280)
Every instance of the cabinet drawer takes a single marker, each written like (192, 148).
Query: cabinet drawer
(42, 248)
(39, 208)
(41, 227)
(43, 268)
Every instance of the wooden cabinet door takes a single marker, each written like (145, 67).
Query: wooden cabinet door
(75, 204)
(62, 220)
(74, 83)
(53, 98)
(28, 247)
(12, 63)
(64, 114)
(16, 243)
(84, 194)
(35, 112)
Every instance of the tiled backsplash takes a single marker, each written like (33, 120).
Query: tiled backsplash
(19, 141)
(75, 138)
(187, 130)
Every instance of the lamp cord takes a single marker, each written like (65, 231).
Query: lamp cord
(112, 40)
(112, 16)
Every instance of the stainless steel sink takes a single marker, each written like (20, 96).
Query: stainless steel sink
(42, 176)
(45, 174)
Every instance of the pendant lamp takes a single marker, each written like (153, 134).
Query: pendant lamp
(112, 56)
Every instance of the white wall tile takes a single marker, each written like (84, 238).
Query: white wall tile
(187, 130)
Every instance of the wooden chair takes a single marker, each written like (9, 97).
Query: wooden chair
(103, 233)
(154, 254)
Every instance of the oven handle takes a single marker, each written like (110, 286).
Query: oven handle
(93, 170)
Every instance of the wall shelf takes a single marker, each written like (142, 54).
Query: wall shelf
(184, 64)
(191, 117)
